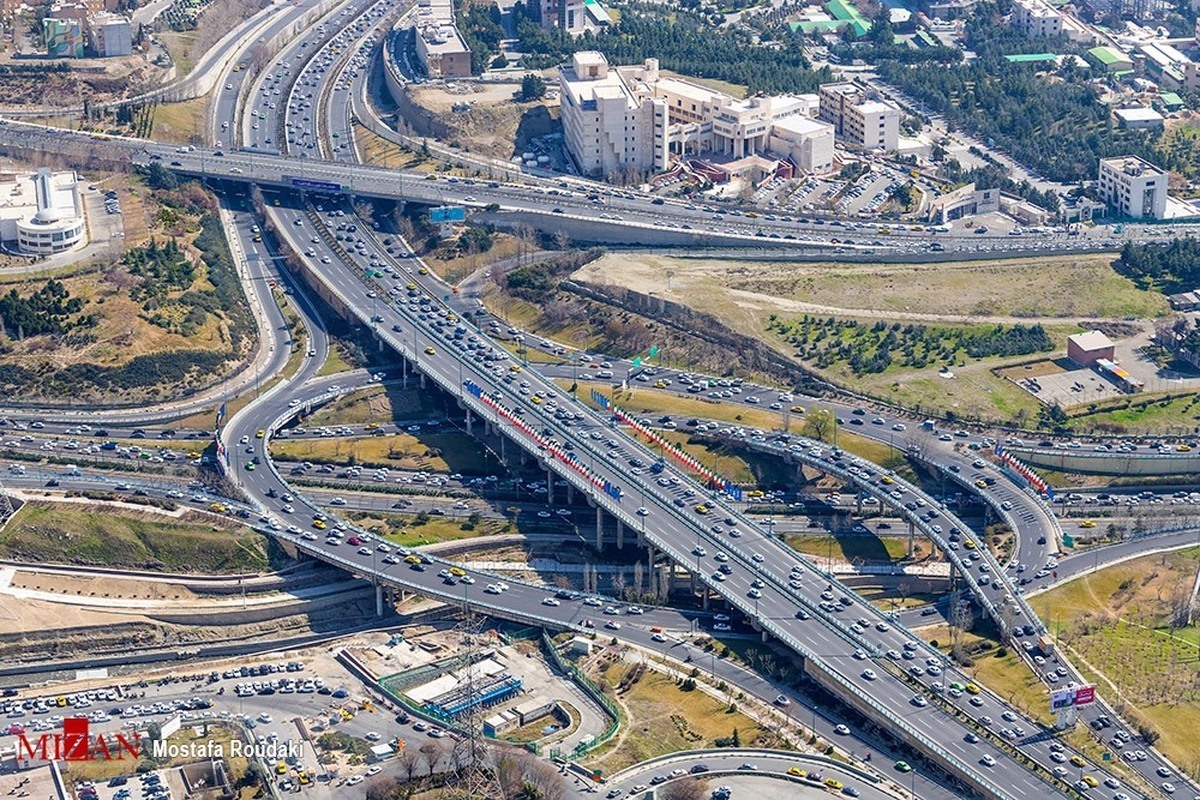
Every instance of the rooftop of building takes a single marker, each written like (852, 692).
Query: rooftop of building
(1140, 114)
(1107, 55)
(1131, 165)
(44, 197)
(1090, 340)
(800, 124)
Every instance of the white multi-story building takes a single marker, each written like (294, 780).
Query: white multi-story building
(111, 34)
(618, 118)
(1133, 188)
(808, 142)
(868, 124)
(1037, 19)
(609, 125)
(42, 213)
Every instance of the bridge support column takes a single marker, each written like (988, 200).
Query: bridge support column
(570, 494)
(599, 528)
(857, 503)
(404, 371)
(468, 420)
(620, 535)
(549, 486)
(524, 456)
(912, 532)
(766, 637)
(641, 538)
(379, 600)
(503, 449)
(650, 556)
(704, 597)
(422, 380)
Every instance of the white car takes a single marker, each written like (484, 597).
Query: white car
(550, 601)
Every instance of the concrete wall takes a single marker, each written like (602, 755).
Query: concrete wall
(1096, 463)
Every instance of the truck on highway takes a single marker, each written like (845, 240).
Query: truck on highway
(1046, 645)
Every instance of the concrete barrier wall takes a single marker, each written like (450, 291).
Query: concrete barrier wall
(1100, 463)
(262, 613)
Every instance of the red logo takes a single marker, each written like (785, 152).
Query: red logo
(75, 743)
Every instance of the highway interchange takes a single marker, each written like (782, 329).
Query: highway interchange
(586, 450)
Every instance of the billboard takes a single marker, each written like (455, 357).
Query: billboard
(447, 214)
(1072, 696)
(1062, 698)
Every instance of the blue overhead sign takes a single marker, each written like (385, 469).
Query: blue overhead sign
(317, 186)
(447, 214)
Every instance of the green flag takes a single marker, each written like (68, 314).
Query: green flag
(637, 362)
(653, 350)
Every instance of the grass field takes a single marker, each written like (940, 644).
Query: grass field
(652, 401)
(1065, 287)
(437, 452)
(379, 151)
(745, 295)
(1179, 414)
(410, 531)
(47, 532)
(376, 404)
(742, 466)
(661, 718)
(181, 123)
(852, 547)
(1114, 623)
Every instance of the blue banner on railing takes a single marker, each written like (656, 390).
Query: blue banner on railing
(599, 399)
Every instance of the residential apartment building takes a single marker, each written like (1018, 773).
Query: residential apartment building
(1133, 188)
(440, 47)
(1040, 20)
(857, 121)
(110, 34)
(1037, 19)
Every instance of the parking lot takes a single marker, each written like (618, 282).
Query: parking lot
(162, 784)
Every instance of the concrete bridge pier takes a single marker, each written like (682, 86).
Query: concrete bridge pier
(599, 528)
(379, 600)
(570, 494)
(912, 532)
(468, 422)
(422, 380)
(549, 486)
(641, 538)
(503, 449)
(620, 535)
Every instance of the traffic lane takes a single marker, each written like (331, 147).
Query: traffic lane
(467, 366)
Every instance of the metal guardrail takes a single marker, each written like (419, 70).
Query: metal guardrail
(611, 505)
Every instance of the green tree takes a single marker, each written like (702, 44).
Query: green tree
(533, 87)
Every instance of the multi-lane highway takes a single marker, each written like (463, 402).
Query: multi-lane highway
(847, 644)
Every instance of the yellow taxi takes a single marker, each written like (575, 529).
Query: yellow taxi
(515, 368)
(701, 509)
(969, 544)
(660, 384)
(972, 689)
(412, 559)
(371, 426)
(796, 772)
(457, 572)
(1087, 523)
(319, 524)
(281, 768)
(1078, 761)
(797, 409)
(423, 271)
(886, 479)
(834, 783)
(412, 287)
(1090, 781)
(430, 351)
(261, 433)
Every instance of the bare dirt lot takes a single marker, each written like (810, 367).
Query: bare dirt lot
(495, 124)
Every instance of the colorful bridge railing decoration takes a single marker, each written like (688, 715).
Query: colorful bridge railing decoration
(545, 443)
(711, 479)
